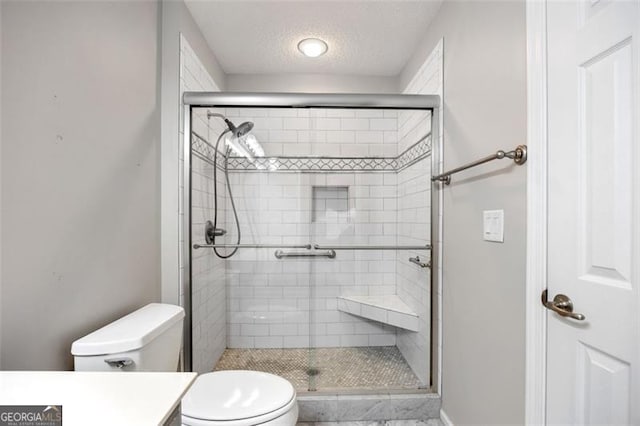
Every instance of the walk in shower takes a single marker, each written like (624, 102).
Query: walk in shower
(307, 238)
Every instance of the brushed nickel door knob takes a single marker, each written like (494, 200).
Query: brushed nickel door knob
(561, 305)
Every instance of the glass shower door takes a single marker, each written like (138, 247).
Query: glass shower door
(250, 305)
(370, 305)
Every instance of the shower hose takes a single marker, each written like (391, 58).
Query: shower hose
(215, 196)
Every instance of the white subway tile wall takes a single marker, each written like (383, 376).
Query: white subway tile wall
(208, 277)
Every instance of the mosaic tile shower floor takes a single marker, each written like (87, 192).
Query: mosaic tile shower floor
(370, 368)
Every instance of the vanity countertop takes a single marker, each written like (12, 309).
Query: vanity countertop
(99, 398)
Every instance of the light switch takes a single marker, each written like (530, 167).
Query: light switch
(493, 225)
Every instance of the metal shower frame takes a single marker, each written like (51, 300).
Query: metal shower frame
(193, 100)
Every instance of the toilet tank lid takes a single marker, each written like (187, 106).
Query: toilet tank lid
(130, 332)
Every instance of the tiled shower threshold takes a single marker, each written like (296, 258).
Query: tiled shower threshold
(353, 384)
(368, 407)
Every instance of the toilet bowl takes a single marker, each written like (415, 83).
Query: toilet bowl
(149, 339)
(239, 398)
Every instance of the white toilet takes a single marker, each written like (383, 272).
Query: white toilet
(149, 340)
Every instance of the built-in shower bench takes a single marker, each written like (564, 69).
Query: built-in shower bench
(387, 309)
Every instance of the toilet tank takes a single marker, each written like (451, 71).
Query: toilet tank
(148, 339)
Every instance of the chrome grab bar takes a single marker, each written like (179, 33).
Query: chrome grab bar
(518, 155)
(327, 253)
(276, 246)
(420, 263)
(321, 247)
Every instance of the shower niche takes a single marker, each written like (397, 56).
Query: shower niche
(330, 202)
(325, 211)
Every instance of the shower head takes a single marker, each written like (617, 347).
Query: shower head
(238, 131)
(241, 130)
(240, 141)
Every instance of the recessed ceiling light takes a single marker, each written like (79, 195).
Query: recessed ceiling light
(313, 47)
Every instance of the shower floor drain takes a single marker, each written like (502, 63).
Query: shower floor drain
(313, 372)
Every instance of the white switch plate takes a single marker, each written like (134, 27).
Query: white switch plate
(493, 225)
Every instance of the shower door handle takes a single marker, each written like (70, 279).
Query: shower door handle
(561, 305)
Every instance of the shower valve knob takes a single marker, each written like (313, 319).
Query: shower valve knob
(210, 232)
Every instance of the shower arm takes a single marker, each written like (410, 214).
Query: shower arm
(230, 125)
(215, 114)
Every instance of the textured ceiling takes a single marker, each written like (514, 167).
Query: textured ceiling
(365, 37)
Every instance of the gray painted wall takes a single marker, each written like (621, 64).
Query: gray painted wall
(176, 19)
(483, 285)
(80, 172)
(310, 83)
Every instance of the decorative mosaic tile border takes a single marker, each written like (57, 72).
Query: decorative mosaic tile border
(205, 151)
(411, 155)
(414, 153)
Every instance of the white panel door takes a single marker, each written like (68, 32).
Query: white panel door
(594, 211)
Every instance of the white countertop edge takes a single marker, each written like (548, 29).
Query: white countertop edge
(135, 398)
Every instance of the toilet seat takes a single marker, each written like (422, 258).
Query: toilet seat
(237, 398)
